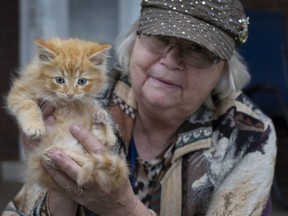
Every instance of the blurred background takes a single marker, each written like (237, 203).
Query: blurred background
(266, 53)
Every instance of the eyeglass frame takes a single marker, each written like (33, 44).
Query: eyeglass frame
(214, 58)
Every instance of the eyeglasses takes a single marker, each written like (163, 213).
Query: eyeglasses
(192, 54)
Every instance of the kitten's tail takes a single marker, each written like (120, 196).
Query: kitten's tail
(108, 170)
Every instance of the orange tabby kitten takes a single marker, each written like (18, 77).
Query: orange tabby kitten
(66, 74)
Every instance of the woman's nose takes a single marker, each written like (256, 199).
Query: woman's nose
(173, 58)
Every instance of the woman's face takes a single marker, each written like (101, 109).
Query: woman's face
(166, 82)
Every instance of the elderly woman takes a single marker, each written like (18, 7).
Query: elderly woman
(196, 145)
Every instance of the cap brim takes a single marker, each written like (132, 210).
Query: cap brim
(172, 23)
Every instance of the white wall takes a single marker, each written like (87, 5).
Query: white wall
(41, 18)
(94, 20)
(89, 19)
(129, 11)
(102, 20)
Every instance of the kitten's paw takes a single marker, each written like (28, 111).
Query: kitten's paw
(102, 128)
(85, 173)
(100, 117)
(111, 140)
(110, 171)
(32, 131)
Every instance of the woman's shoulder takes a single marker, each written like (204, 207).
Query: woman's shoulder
(241, 123)
(242, 109)
(104, 98)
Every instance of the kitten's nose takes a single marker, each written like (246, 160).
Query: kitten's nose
(70, 95)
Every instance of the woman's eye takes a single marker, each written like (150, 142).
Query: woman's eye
(82, 81)
(162, 40)
(59, 80)
(197, 49)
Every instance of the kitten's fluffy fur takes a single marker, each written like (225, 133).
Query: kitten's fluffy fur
(68, 75)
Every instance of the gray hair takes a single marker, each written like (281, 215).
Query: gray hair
(235, 76)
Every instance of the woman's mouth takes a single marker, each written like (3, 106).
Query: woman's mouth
(164, 82)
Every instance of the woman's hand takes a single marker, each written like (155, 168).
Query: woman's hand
(61, 205)
(103, 201)
(56, 200)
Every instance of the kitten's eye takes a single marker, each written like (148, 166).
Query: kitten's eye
(82, 81)
(60, 80)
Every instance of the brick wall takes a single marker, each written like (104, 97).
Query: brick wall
(9, 37)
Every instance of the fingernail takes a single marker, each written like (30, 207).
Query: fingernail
(49, 153)
(75, 128)
(53, 154)
(57, 156)
(46, 164)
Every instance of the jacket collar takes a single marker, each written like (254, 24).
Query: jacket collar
(194, 134)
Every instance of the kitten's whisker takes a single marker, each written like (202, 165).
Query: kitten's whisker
(88, 104)
(49, 101)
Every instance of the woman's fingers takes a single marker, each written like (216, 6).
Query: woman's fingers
(47, 110)
(86, 139)
(57, 200)
(65, 165)
(61, 179)
(64, 171)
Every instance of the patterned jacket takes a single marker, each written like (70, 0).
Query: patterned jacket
(222, 162)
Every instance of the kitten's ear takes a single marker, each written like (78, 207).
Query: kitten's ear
(100, 56)
(45, 54)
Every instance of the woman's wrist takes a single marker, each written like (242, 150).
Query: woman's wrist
(152, 213)
(130, 206)
(57, 204)
(137, 208)
(142, 210)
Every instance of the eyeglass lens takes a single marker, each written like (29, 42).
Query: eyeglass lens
(192, 54)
